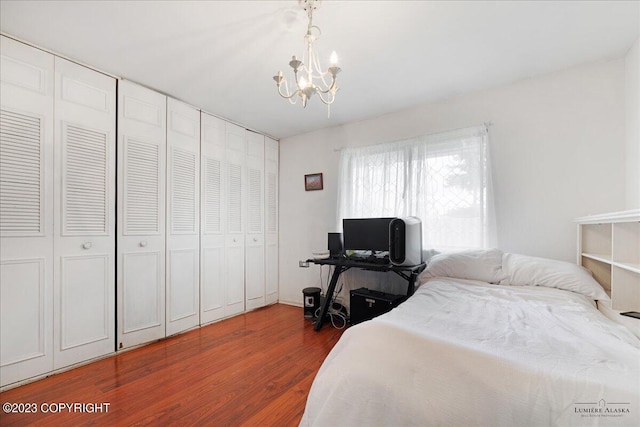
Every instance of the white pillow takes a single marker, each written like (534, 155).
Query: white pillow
(478, 264)
(427, 254)
(524, 270)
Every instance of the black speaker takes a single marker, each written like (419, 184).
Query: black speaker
(335, 244)
(367, 304)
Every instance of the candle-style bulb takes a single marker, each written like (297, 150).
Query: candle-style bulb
(334, 58)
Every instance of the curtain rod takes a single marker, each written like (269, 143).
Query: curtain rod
(487, 125)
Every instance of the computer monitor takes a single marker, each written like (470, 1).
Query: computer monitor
(366, 234)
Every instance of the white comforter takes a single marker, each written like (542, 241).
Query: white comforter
(463, 353)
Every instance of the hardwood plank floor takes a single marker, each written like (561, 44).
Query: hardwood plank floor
(254, 369)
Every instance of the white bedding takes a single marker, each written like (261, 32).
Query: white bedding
(462, 353)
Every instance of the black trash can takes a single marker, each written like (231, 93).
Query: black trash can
(311, 301)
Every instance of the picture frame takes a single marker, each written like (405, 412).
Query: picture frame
(313, 181)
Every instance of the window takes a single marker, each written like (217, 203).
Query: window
(443, 179)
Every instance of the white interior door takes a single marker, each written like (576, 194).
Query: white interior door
(255, 242)
(235, 224)
(212, 265)
(26, 211)
(271, 220)
(183, 213)
(84, 214)
(141, 214)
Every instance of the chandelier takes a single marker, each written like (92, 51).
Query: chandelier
(312, 80)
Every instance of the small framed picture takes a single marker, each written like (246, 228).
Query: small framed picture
(313, 182)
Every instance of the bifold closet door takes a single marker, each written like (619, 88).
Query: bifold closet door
(235, 218)
(212, 265)
(271, 154)
(141, 214)
(255, 242)
(26, 211)
(84, 213)
(183, 213)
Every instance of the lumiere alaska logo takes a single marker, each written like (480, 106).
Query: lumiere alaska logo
(601, 408)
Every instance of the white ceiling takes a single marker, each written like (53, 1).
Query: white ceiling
(221, 55)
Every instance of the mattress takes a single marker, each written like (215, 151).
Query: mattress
(463, 352)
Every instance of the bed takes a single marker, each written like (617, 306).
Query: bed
(488, 339)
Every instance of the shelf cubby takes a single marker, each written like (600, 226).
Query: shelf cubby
(626, 244)
(596, 240)
(601, 271)
(609, 246)
(625, 296)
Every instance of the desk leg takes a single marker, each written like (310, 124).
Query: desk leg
(327, 301)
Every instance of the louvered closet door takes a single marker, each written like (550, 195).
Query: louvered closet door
(84, 279)
(212, 265)
(183, 213)
(255, 249)
(141, 214)
(26, 212)
(271, 220)
(235, 219)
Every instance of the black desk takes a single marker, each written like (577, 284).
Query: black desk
(408, 272)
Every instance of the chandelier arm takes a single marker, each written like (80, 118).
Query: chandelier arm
(322, 78)
(290, 98)
(286, 95)
(326, 101)
(331, 89)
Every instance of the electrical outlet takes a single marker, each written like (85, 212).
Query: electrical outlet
(303, 264)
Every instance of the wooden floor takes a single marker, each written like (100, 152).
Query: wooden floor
(253, 370)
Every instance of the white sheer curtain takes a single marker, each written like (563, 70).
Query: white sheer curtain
(444, 179)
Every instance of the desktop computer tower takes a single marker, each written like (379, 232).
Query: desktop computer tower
(367, 304)
(405, 241)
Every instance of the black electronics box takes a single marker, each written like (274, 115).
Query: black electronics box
(367, 304)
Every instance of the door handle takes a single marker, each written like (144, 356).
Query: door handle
(143, 244)
(86, 245)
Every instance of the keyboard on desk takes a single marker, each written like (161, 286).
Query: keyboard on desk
(369, 260)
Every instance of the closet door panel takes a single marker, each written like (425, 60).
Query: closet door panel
(26, 324)
(183, 273)
(271, 270)
(85, 301)
(21, 174)
(255, 290)
(213, 298)
(183, 217)
(235, 219)
(255, 244)
(213, 218)
(141, 235)
(234, 252)
(26, 211)
(84, 214)
(141, 312)
(271, 220)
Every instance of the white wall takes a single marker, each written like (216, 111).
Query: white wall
(557, 146)
(632, 125)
